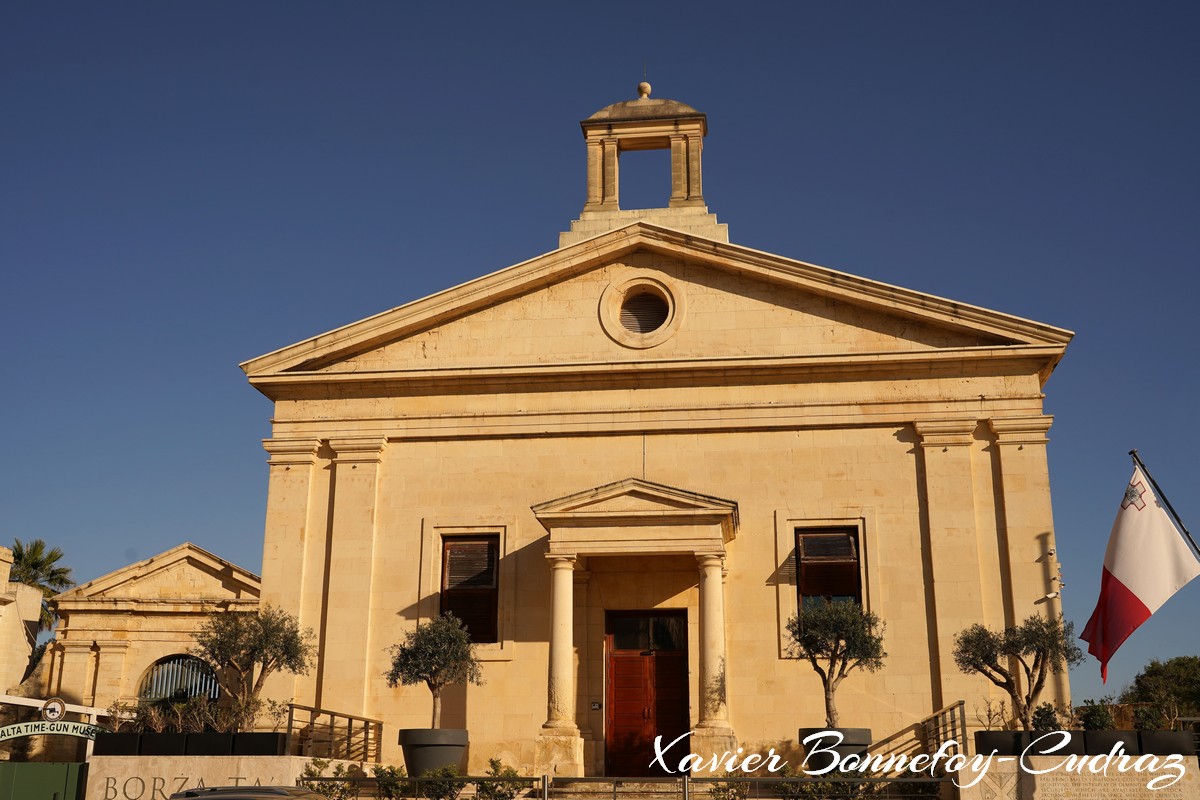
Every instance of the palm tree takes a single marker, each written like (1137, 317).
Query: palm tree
(34, 564)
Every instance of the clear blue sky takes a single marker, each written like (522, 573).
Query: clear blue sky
(187, 185)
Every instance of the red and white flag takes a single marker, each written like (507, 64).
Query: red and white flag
(1147, 561)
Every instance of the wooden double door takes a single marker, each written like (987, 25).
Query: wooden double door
(647, 690)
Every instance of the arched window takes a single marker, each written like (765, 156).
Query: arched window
(177, 678)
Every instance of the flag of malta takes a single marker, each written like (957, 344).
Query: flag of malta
(1147, 561)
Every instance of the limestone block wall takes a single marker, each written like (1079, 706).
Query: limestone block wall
(955, 525)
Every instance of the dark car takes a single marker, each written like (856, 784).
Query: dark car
(248, 793)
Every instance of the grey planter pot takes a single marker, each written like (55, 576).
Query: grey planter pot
(1166, 743)
(117, 744)
(427, 749)
(209, 744)
(1003, 743)
(163, 744)
(259, 744)
(1099, 743)
(854, 741)
(1075, 745)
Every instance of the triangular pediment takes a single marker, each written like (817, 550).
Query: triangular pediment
(632, 496)
(734, 304)
(185, 572)
(637, 515)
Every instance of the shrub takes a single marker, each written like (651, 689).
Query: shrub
(443, 783)
(504, 789)
(392, 783)
(1045, 718)
(1096, 715)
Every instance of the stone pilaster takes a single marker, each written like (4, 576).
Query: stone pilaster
(354, 498)
(111, 675)
(953, 547)
(1033, 567)
(291, 463)
(76, 672)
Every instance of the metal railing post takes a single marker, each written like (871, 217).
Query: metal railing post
(287, 740)
(545, 787)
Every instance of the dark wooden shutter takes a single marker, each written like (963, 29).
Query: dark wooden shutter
(470, 583)
(827, 564)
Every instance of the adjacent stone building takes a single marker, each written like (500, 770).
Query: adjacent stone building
(125, 636)
(625, 461)
(20, 614)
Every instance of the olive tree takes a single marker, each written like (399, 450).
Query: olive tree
(836, 638)
(1018, 659)
(247, 647)
(438, 654)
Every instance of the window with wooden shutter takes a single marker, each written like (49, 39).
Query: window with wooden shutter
(470, 585)
(827, 564)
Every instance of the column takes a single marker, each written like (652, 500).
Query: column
(561, 689)
(713, 733)
(345, 648)
(953, 549)
(713, 696)
(611, 183)
(595, 173)
(560, 746)
(679, 170)
(1033, 567)
(695, 190)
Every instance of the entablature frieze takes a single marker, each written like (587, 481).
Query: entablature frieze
(109, 605)
(679, 419)
(749, 370)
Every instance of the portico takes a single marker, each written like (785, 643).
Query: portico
(647, 520)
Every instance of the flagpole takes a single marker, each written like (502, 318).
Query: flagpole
(1138, 461)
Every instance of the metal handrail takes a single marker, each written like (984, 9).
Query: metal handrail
(343, 736)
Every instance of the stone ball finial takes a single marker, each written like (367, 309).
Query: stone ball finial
(643, 90)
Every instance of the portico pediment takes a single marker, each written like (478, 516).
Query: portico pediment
(636, 516)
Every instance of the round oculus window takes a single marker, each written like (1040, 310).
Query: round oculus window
(644, 312)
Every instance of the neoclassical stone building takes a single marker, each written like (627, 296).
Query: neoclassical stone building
(126, 635)
(625, 462)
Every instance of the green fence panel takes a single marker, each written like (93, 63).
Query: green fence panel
(34, 781)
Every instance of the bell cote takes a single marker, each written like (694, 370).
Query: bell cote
(644, 124)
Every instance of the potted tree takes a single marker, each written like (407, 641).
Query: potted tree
(1018, 659)
(245, 648)
(837, 638)
(438, 654)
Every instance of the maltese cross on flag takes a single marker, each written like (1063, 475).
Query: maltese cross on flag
(1147, 561)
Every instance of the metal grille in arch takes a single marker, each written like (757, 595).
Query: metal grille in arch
(177, 678)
